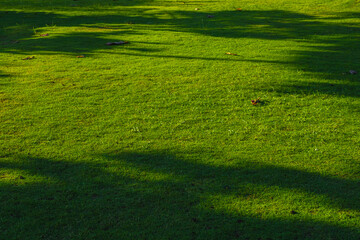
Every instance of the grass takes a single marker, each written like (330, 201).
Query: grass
(158, 139)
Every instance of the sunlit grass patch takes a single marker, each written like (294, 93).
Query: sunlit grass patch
(159, 138)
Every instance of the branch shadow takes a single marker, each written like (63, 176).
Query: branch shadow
(3, 81)
(4, 75)
(135, 195)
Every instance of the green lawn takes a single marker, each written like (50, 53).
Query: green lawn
(158, 138)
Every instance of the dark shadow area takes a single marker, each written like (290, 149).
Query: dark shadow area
(92, 4)
(70, 4)
(334, 46)
(160, 196)
(342, 15)
(349, 88)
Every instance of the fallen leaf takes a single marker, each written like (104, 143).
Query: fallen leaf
(117, 43)
(28, 58)
(80, 56)
(44, 35)
(239, 9)
(254, 102)
(229, 53)
(353, 72)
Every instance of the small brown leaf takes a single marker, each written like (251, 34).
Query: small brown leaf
(44, 35)
(254, 102)
(80, 56)
(28, 58)
(239, 9)
(229, 53)
(353, 72)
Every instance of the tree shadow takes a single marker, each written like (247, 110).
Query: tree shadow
(325, 50)
(70, 4)
(134, 195)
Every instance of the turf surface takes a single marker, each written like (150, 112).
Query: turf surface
(158, 138)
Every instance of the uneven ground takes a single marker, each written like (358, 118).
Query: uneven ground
(158, 139)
